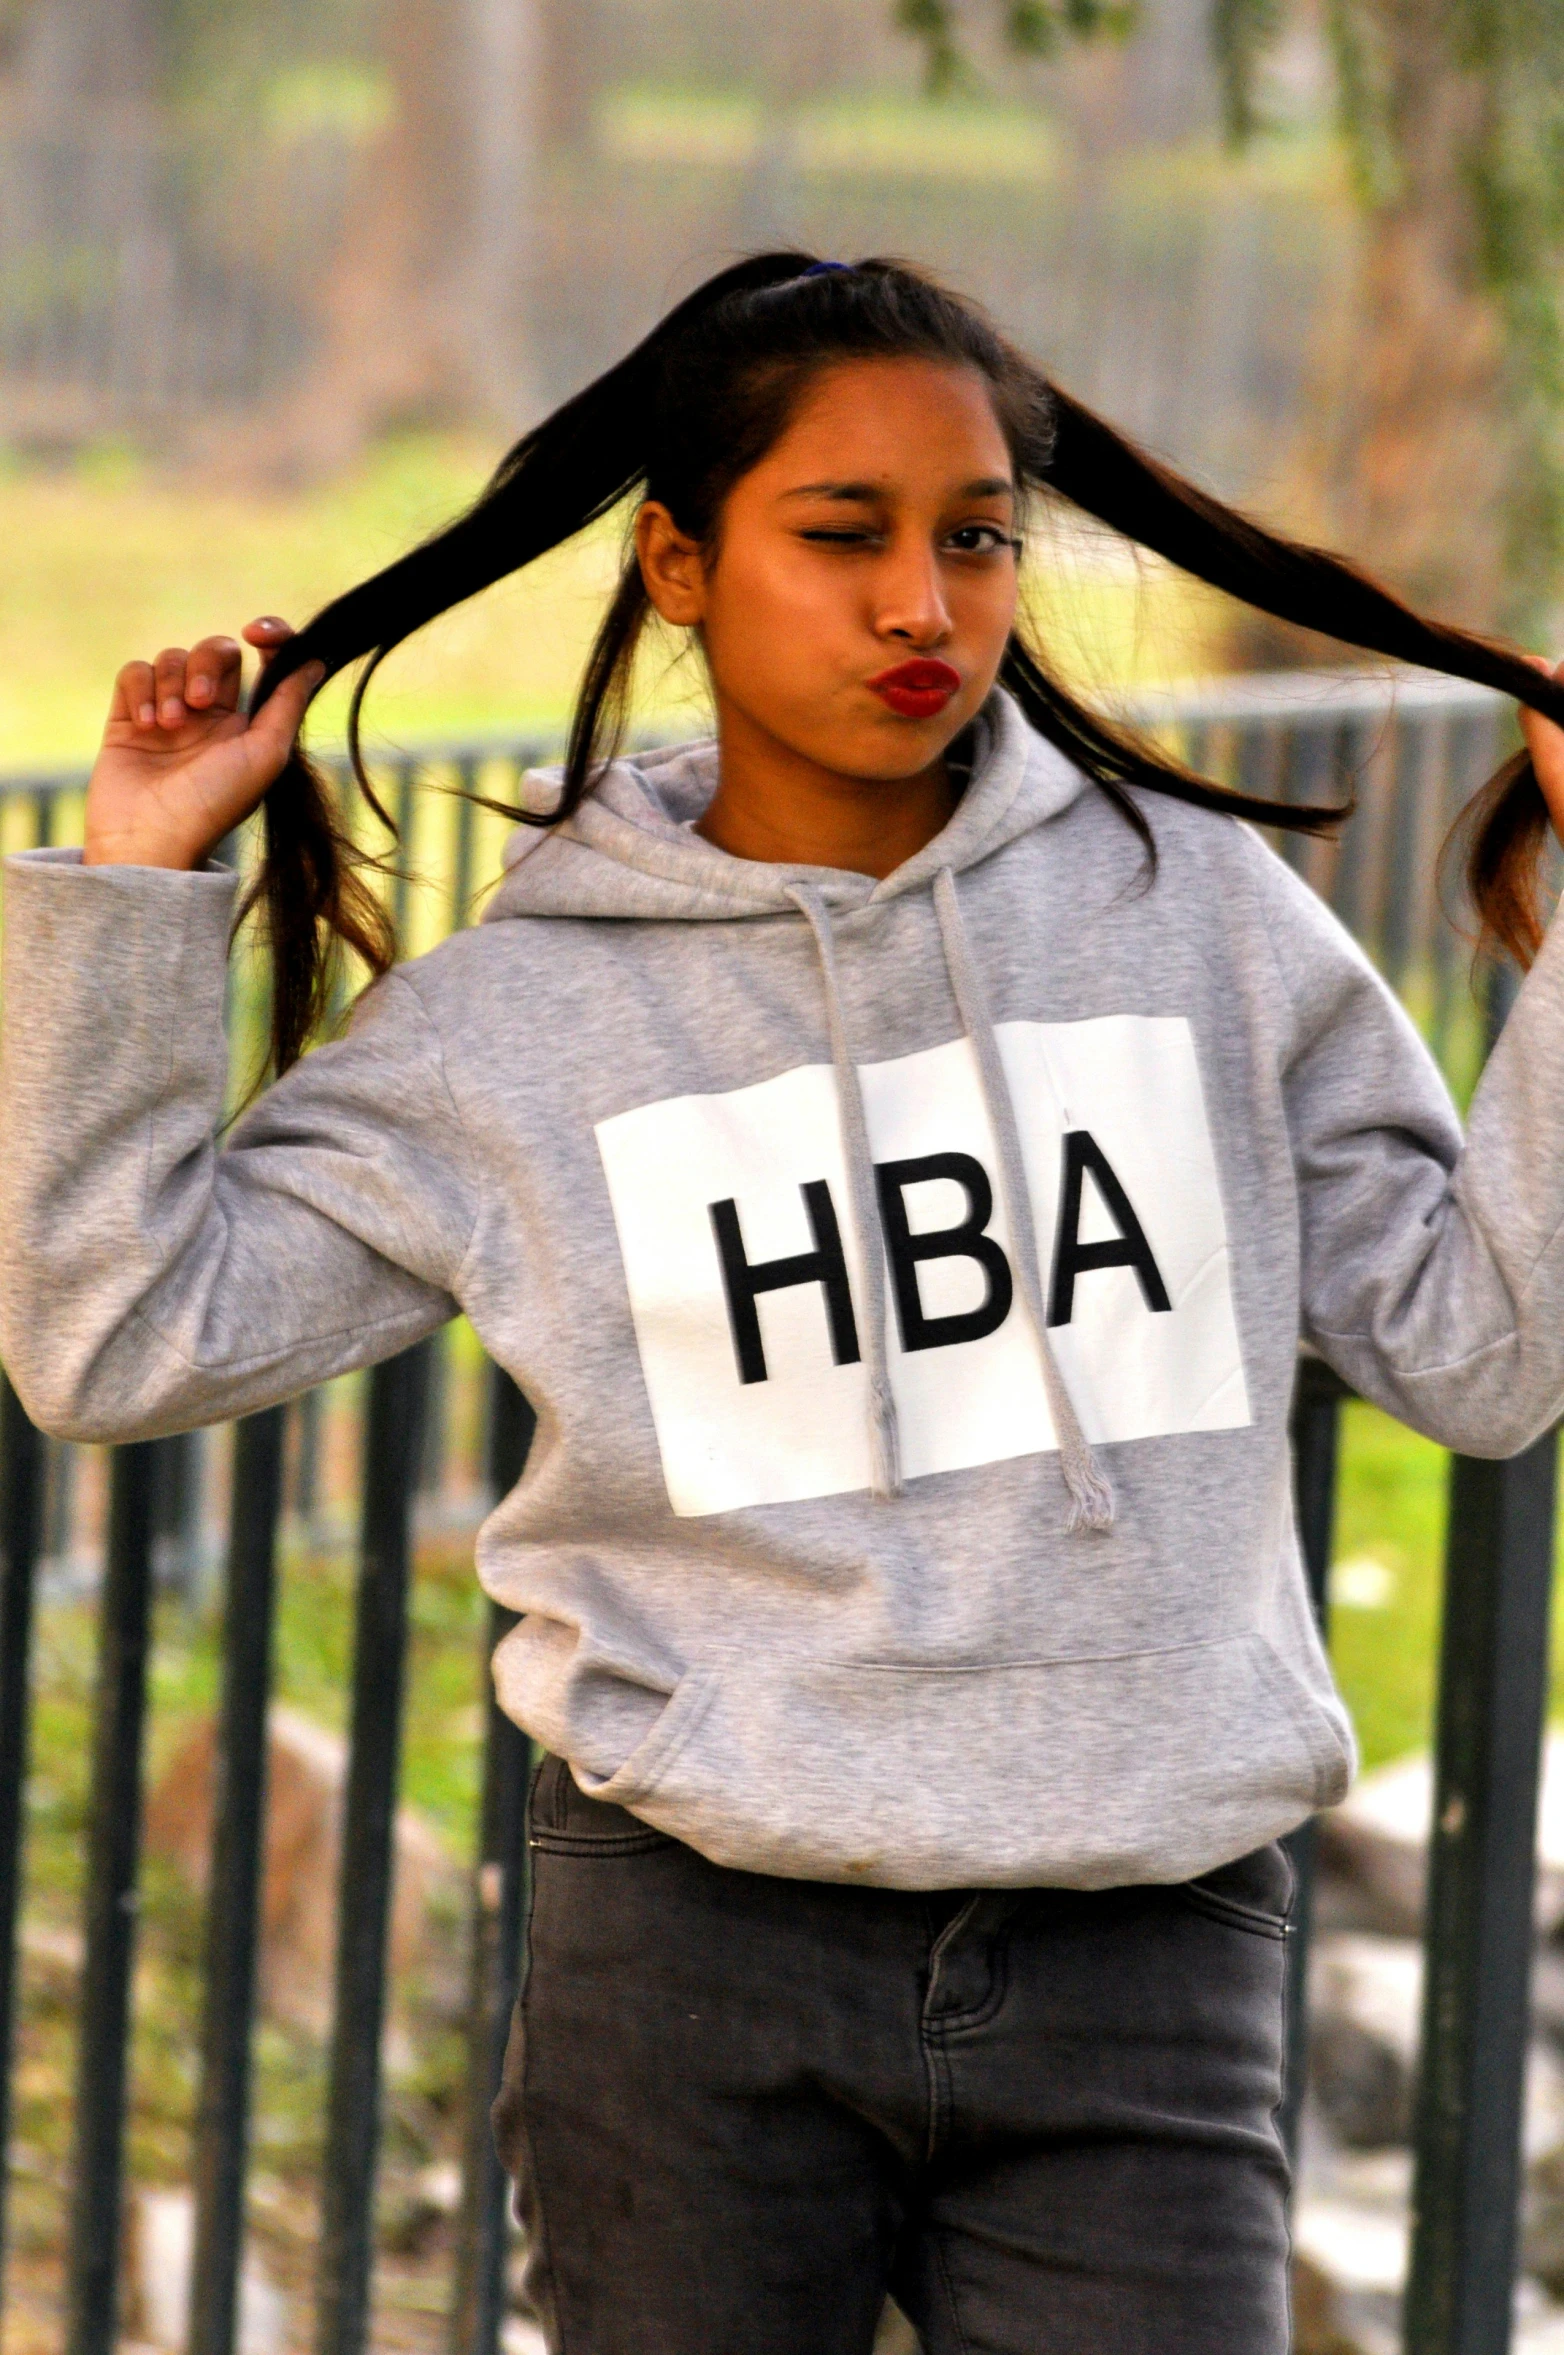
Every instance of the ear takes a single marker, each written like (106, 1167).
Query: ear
(671, 566)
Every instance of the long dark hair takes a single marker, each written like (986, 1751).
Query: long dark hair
(691, 410)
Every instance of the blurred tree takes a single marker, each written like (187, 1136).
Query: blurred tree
(71, 50)
(424, 312)
(1448, 468)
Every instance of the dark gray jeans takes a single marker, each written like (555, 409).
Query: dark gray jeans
(740, 2110)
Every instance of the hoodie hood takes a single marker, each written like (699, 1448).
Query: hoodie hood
(631, 850)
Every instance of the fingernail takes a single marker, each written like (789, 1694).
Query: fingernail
(314, 672)
(146, 714)
(173, 710)
(200, 686)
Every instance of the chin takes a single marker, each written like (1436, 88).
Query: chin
(891, 750)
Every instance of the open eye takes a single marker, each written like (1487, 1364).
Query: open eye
(980, 539)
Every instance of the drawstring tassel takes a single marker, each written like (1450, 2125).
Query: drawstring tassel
(1091, 1498)
(884, 1442)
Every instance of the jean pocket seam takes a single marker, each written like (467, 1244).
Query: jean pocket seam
(601, 1843)
(1238, 1917)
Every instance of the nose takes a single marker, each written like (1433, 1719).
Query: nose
(912, 608)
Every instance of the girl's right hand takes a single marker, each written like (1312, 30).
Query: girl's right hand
(180, 764)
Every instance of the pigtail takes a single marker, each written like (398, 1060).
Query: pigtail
(1505, 826)
(313, 890)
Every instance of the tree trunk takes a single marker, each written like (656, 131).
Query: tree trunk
(1429, 455)
(424, 316)
(75, 50)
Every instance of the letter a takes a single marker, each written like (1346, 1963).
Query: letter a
(1072, 1257)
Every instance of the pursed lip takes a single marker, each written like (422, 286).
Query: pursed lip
(919, 689)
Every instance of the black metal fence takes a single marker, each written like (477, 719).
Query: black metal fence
(1411, 764)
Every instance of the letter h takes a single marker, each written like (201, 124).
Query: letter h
(825, 1265)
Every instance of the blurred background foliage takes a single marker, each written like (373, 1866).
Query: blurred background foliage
(1451, 118)
(277, 282)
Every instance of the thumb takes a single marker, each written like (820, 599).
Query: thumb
(277, 723)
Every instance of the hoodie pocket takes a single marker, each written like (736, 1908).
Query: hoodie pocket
(653, 1757)
(1084, 1773)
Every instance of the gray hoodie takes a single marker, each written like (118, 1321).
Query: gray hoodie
(908, 1277)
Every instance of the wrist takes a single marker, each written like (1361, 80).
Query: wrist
(138, 849)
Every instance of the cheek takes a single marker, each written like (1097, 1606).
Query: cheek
(770, 623)
(984, 611)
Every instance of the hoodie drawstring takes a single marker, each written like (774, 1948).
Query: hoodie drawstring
(884, 1440)
(1091, 1498)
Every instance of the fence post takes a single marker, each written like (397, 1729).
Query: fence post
(1477, 1942)
(22, 1467)
(391, 1436)
(113, 1853)
(499, 1911)
(238, 1819)
(1316, 1429)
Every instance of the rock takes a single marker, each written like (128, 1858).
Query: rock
(1373, 1848)
(306, 1783)
(1349, 2265)
(896, 2335)
(412, 2210)
(162, 2257)
(1542, 2225)
(1365, 2008)
(1319, 2323)
(1365, 2031)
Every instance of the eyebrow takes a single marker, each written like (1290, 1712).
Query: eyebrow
(987, 486)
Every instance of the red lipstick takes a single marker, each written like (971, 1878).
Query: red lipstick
(918, 690)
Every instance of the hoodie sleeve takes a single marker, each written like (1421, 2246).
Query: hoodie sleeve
(1432, 1270)
(149, 1278)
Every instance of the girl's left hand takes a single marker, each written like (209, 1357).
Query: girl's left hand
(1545, 743)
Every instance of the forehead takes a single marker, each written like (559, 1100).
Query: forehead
(892, 421)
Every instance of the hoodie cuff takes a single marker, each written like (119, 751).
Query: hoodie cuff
(56, 856)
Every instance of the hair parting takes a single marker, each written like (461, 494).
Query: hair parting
(681, 418)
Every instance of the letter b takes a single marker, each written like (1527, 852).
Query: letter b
(965, 1241)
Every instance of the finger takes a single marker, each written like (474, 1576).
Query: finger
(281, 716)
(266, 634)
(212, 672)
(169, 670)
(135, 695)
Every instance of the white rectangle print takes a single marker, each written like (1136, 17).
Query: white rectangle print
(745, 1282)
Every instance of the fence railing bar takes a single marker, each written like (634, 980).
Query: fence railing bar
(113, 1855)
(1316, 1433)
(391, 1435)
(233, 1911)
(402, 873)
(461, 864)
(306, 1486)
(499, 1912)
(1478, 1936)
(23, 1466)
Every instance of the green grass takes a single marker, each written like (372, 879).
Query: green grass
(1388, 1581)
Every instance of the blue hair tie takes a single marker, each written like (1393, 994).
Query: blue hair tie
(819, 269)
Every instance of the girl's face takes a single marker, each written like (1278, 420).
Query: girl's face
(864, 583)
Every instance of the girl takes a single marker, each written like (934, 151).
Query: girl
(897, 1147)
